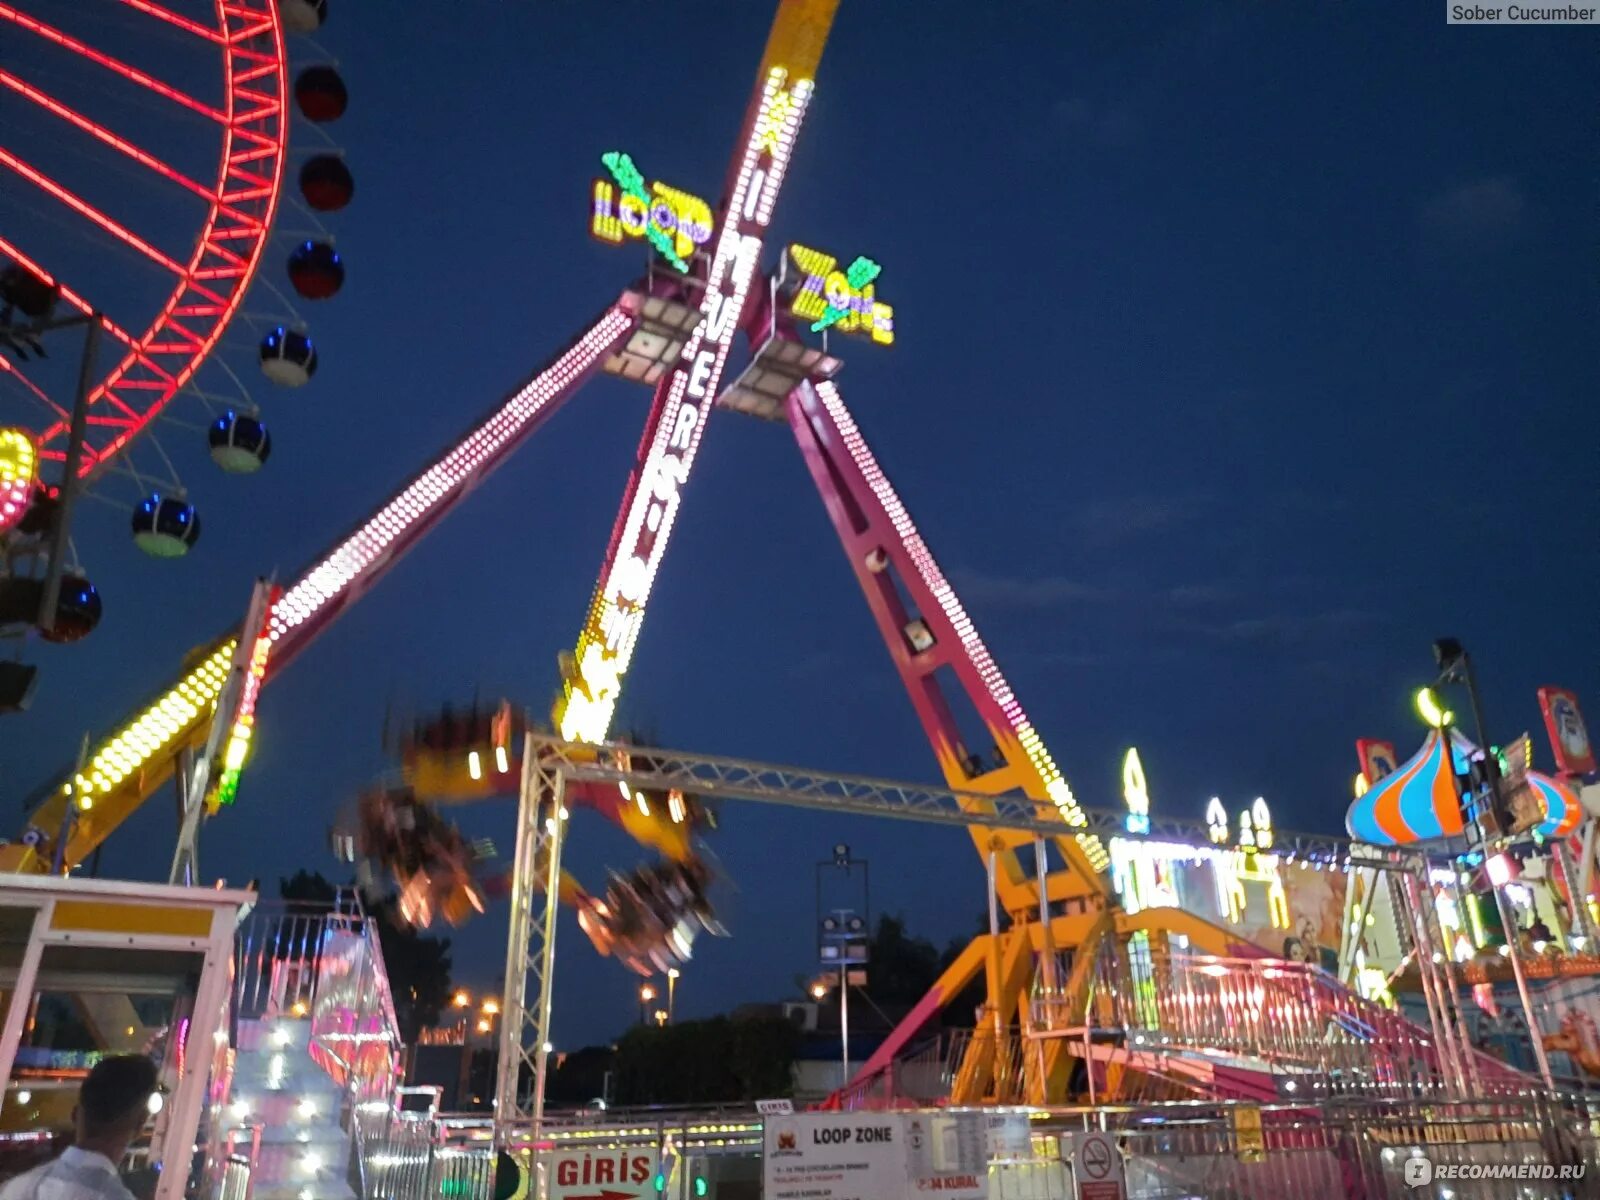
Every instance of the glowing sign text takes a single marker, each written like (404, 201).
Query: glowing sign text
(675, 222)
(606, 644)
(1135, 792)
(844, 300)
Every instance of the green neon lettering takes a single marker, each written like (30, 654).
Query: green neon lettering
(859, 273)
(629, 180)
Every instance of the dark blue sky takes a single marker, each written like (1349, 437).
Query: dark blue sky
(1242, 349)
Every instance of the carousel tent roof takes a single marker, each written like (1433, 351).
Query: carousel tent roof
(1419, 801)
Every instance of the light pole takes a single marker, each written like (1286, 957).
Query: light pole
(1455, 666)
(842, 942)
(672, 994)
(647, 993)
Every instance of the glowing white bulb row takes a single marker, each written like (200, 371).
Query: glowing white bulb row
(368, 545)
(605, 648)
(1055, 785)
(782, 115)
(176, 712)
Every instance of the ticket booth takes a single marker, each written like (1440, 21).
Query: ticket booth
(90, 968)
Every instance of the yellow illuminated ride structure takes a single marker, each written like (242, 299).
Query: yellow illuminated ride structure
(1057, 918)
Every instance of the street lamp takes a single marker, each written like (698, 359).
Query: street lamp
(646, 994)
(819, 991)
(672, 992)
(462, 999)
(842, 942)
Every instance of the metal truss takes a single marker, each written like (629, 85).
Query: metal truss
(740, 779)
(531, 945)
(550, 763)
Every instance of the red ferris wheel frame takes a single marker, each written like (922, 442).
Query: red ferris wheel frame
(243, 201)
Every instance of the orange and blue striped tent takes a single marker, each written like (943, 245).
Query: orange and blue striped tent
(1419, 802)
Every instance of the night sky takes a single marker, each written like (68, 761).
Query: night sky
(1242, 350)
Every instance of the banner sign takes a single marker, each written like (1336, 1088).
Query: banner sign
(875, 1156)
(1097, 1169)
(1569, 737)
(628, 1174)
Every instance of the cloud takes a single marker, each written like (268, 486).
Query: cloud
(1103, 124)
(1015, 591)
(1485, 213)
(1202, 595)
(1286, 630)
(1107, 521)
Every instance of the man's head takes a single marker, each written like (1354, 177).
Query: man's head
(114, 1103)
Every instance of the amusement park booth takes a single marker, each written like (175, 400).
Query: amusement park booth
(1510, 889)
(91, 968)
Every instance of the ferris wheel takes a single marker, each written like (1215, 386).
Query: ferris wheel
(158, 241)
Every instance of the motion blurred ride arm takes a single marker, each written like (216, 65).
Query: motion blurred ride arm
(928, 631)
(178, 717)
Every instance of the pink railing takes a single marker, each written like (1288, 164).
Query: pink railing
(1290, 1018)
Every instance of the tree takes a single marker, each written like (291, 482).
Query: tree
(716, 1061)
(900, 968)
(418, 966)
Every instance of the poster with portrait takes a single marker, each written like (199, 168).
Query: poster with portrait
(1289, 910)
(1569, 736)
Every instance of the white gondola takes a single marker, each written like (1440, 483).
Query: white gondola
(165, 526)
(240, 443)
(288, 358)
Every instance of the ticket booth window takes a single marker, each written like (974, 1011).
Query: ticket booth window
(89, 1002)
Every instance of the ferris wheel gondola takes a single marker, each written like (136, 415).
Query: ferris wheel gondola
(146, 155)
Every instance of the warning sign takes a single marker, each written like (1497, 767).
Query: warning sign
(1097, 1172)
(1249, 1139)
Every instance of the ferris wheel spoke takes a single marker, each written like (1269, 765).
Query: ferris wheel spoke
(119, 144)
(88, 211)
(208, 32)
(38, 393)
(115, 65)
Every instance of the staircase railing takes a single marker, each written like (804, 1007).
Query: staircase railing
(323, 963)
(917, 1078)
(1285, 1015)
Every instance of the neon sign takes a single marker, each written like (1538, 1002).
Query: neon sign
(675, 222)
(845, 300)
(1135, 793)
(606, 646)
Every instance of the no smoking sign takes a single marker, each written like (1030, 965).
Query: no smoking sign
(1097, 1168)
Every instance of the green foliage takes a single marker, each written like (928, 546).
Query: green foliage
(717, 1061)
(902, 968)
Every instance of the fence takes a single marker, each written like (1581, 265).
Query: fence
(242, 1151)
(1292, 1019)
(1358, 1150)
(324, 963)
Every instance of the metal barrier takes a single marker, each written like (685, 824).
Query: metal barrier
(243, 1150)
(1287, 1018)
(324, 964)
(1174, 1151)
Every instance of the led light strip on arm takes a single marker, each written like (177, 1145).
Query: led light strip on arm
(606, 646)
(372, 546)
(157, 730)
(1056, 787)
(117, 777)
